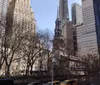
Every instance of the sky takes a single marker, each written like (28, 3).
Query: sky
(46, 12)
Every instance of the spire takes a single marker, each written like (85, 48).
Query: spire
(58, 30)
(57, 11)
(58, 17)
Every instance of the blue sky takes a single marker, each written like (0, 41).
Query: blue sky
(46, 12)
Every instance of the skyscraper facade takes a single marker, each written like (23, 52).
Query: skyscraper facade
(77, 19)
(77, 16)
(19, 16)
(89, 33)
(66, 25)
(63, 9)
(64, 17)
(20, 13)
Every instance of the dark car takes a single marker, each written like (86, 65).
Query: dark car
(35, 83)
(6, 82)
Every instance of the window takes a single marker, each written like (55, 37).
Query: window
(75, 43)
(74, 32)
(74, 38)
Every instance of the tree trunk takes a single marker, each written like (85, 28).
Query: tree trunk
(0, 66)
(40, 67)
(48, 68)
(31, 69)
(27, 70)
(7, 71)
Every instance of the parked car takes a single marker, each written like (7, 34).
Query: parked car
(54, 83)
(35, 83)
(69, 82)
(6, 81)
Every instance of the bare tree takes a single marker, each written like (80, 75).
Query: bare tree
(2, 29)
(91, 66)
(31, 49)
(10, 42)
(48, 46)
(9, 47)
(47, 39)
(88, 66)
(42, 59)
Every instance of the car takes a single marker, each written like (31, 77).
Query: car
(69, 82)
(6, 81)
(35, 83)
(54, 83)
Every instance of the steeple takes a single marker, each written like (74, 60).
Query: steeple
(57, 11)
(58, 31)
(58, 38)
(58, 18)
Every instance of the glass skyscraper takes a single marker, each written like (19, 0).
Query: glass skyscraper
(96, 4)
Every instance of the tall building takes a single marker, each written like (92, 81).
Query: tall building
(77, 16)
(66, 25)
(64, 17)
(20, 14)
(67, 32)
(77, 19)
(89, 33)
(63, 9)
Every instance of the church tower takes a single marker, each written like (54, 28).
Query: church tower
(58, 38)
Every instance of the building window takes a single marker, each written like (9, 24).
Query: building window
(74, 38)
(74, 32)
